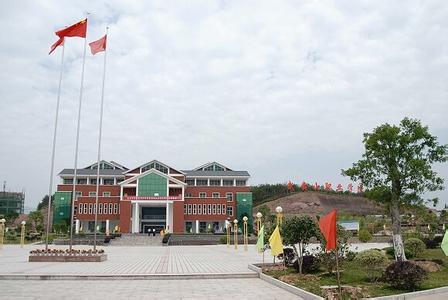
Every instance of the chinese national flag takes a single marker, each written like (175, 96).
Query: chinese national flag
(327, 225)
(79, 29)
(99, 45)
(57, 44)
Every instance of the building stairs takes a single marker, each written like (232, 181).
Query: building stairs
(135, 239)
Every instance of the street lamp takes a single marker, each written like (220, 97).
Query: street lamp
(2, 232)
(22, 234)
(235, 233)
(245, 239)
(259, 216)
(279, 210)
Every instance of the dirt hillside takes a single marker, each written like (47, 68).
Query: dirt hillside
(315, 203)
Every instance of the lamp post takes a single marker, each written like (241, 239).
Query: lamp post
(259, 216)
(245, 239)
(2, 232)
(279, 210)
(22, 234)
(228, 229)
(235, 233)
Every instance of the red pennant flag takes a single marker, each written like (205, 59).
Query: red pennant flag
(327, 225)
(79, 29)
(57, 44)
(99, 45)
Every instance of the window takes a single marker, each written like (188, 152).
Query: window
(108, 181)
(215, 195)
(223, 209)
(106, 194)
(204, 209)
(111, 207)
(218, 209)
(215, 182)
(92, 194)
(230, 210)
(156, 166)
(80, 208)
(188, 227)
(90, 208)
(100, 210)
(190, 181)
(85, 208)
(78, 194)
(94, 208)
(202, 195)
(185, 209)
(189, 209)
(214, 209)
(68, 181)
(116, 208)
(201, 182)
(209, 209)
(194, 209)
(241, 183)
(202, 226)
(199, 209)
(188, 195)
(209, 168)
(81, 180)
(229, 197)
(227, 182)
(92, 180)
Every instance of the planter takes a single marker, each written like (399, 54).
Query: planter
(68, 258)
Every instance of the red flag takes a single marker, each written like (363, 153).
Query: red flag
(78, 29)
(327, 225)
(57, 44)
(99, 45)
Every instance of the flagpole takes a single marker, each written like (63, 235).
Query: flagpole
(99, 146)
(337, 271)
(50, 188)
(75, 170)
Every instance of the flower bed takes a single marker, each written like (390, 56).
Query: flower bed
(67, 255)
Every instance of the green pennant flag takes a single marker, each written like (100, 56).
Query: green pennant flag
(444, 244)
(260, 241)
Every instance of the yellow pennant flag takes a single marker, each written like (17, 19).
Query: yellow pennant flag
(275, 241)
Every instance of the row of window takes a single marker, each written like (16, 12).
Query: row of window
(215, 182)
(207, 209)
(229, 196)
(91, 194)
(104, 208)
(103, 181)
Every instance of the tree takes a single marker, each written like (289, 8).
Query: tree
(36, 218)
(299, 230)
(398, 162)
(44, 202)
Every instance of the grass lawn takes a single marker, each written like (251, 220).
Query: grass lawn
(354, 275)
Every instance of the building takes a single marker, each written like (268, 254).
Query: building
(155, 196)
(11, 202)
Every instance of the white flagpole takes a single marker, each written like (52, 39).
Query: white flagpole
(99, 145)
(75, 170)
(50, 188)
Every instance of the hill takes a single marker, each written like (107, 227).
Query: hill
(317, 203)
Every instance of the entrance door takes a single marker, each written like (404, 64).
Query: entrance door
(153, 218)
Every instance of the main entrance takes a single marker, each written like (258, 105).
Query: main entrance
(153, 218)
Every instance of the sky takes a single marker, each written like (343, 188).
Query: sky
(282, 89)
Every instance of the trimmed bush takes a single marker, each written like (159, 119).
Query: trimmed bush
(166, 238)
(364, 235)
(404, 275)
(373, 262)
(310, 264)
(414, 246)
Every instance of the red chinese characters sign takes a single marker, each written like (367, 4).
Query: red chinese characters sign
(152, 198)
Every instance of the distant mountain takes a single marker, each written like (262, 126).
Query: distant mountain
(317, 203)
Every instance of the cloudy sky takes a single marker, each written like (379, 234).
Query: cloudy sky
(283, 89)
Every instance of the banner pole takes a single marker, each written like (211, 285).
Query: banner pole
(50, 187)
(75, 170)
(99, 145)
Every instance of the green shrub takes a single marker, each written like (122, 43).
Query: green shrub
(414, 246)
(223, 240)
(404, 275)
(364, 235)
(166, 238)
(350, 255)
(391, 252)
(373, 262)
(310, 264)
